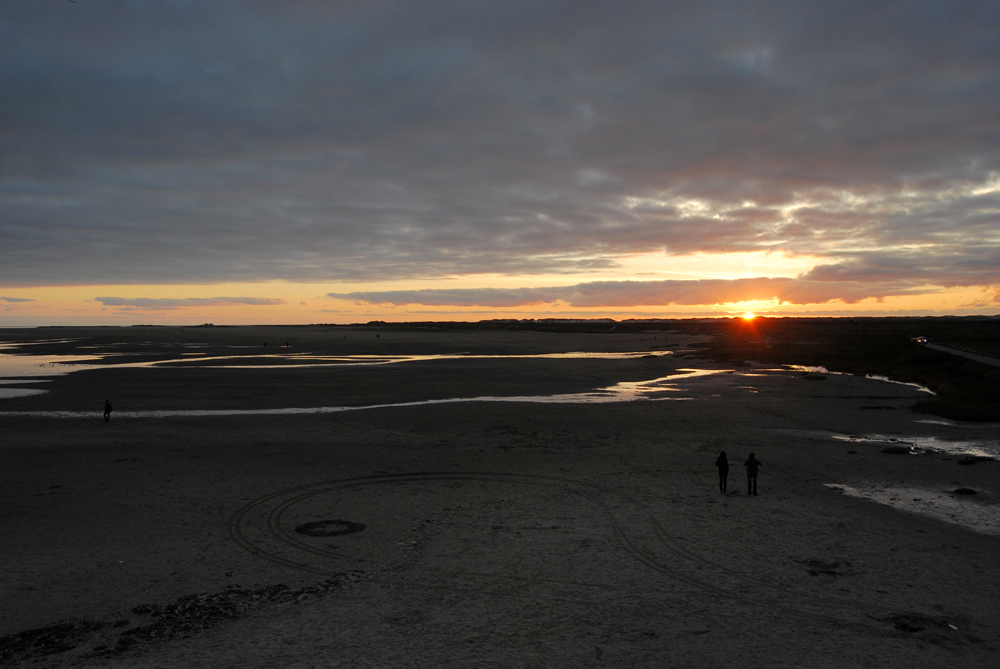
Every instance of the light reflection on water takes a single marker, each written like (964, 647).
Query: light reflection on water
(25, 368)
(31, 366)
(24, 365)
(939, 504)
(7, 393)
(626, 391)
(876, 377)
(309, 360)
(919, 444)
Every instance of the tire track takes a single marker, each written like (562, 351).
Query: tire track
(597, 494)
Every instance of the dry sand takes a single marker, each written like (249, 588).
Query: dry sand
(495, 534)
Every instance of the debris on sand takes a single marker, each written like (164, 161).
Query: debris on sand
(47, 640)
(815, 567)
(329, 528)
(183, 618)
(932, 629)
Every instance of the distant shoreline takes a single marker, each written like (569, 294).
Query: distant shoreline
(966, 390)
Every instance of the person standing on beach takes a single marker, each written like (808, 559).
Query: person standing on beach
(723, 464)
(107, 411)
(752, 464)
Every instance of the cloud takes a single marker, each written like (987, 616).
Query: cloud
(16, 299)
(957, 267)
(162, 303)
(304, 141)
(643, 293)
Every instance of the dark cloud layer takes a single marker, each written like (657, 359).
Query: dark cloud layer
(640, 293)
(160, 303)
(189, 142)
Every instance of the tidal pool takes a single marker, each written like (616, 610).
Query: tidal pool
(923, 444)
(968, 511)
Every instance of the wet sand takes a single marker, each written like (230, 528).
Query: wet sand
(495, 533)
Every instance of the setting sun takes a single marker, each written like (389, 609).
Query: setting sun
(748, 316)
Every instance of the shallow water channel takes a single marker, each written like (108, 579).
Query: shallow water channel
(20, 368)
(661, 388)
(17, 369)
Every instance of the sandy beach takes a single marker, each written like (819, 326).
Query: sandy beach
(396, 531)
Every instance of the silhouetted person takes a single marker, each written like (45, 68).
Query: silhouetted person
(107, 410)
(752, 464)
(723, 464)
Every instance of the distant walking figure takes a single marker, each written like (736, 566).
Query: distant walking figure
(723, 464)
(107, 410)
(752, 464)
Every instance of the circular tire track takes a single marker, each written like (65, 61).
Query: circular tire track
(677, 566)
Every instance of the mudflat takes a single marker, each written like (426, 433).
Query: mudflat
(393, 526)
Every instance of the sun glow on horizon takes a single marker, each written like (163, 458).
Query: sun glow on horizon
(277, 302)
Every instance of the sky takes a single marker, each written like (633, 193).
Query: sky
(306, 161)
